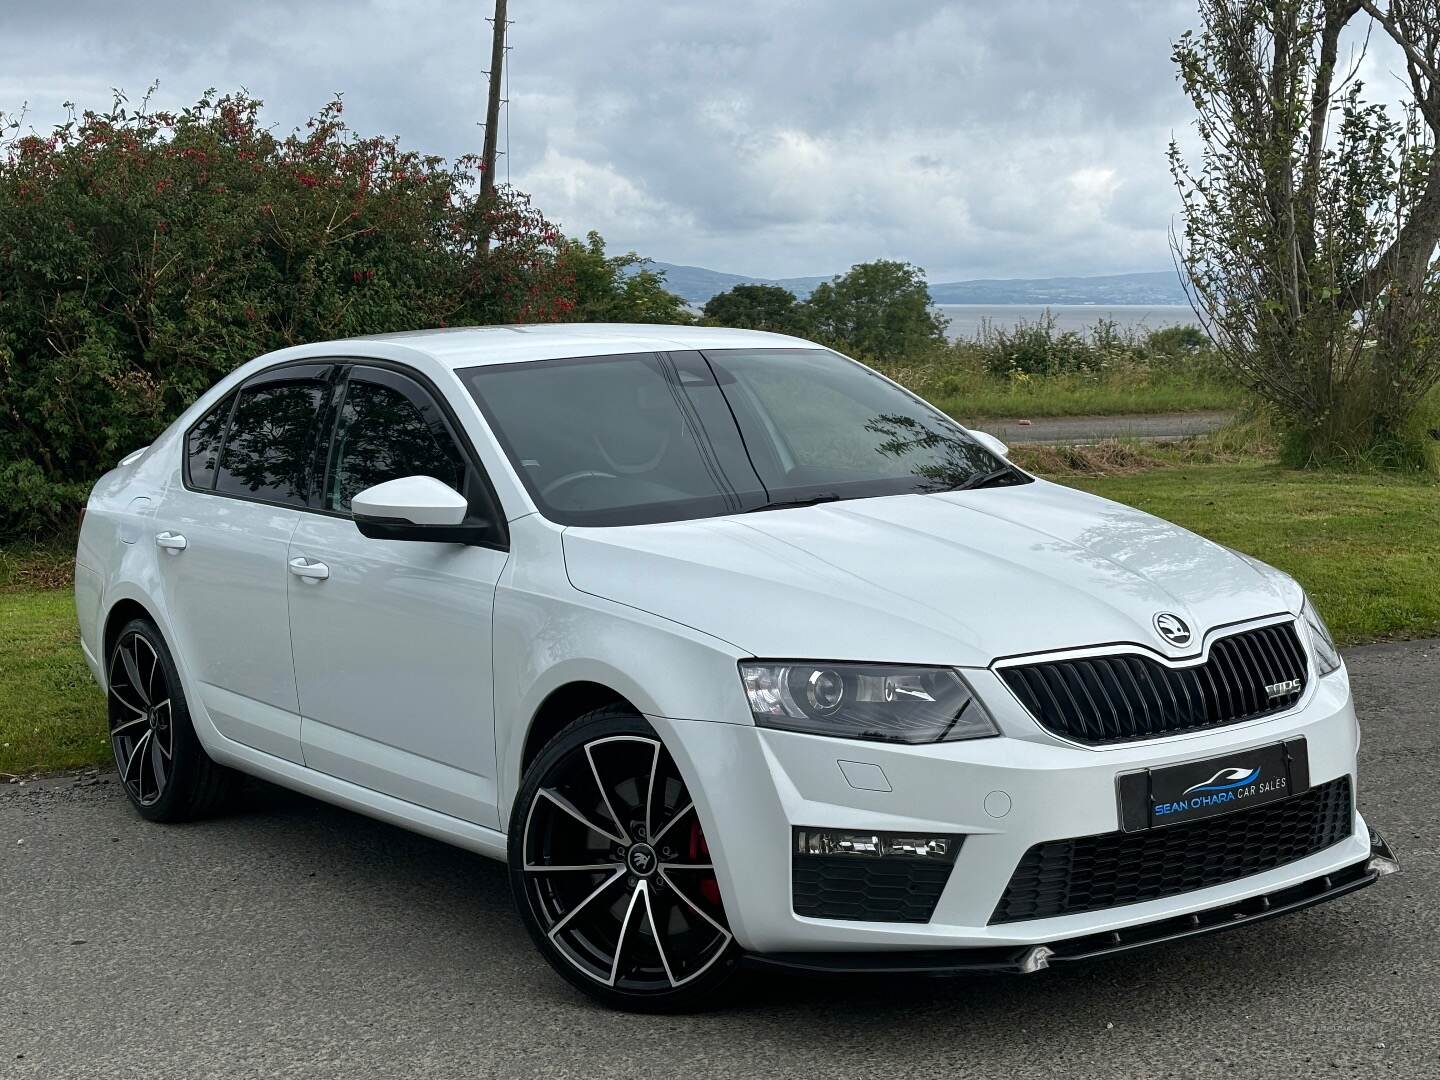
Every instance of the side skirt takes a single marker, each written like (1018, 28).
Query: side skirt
(420, 819)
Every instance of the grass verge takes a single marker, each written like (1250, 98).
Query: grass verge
(1065, 395)
(1366, 546)
(52, 715)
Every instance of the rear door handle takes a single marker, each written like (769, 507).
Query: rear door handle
(302, 567)
(172, 542)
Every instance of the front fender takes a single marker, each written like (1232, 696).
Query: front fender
(547, 635)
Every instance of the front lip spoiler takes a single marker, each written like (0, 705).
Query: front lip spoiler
(1025, 959)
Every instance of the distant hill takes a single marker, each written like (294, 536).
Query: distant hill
(698, 284)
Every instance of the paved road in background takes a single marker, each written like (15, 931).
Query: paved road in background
(297, 940)
(1071, 430)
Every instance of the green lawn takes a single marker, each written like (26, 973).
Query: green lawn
(52, 715)
(1367, 547)
(1077, 397)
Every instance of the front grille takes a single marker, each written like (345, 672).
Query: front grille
(1066, 877)
(870, 890)
(1120, 698)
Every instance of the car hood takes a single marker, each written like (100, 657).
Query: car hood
(959, 578)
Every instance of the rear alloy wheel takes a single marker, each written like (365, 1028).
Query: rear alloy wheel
(165, 771)
(612, 872)
(142, 722)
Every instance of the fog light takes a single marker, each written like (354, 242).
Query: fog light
(875, 845)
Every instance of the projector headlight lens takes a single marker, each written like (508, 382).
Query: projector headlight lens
(879, 702)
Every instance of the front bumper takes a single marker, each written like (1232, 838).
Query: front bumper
(1026, 959)
(753, 786)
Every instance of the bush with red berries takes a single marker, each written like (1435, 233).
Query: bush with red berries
(144, 254)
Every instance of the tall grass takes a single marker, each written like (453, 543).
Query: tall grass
(1036, 369)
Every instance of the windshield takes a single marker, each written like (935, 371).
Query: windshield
(644, 437)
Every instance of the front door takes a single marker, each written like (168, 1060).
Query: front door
(391, 638)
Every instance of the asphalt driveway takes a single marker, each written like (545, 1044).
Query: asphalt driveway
(294, 939)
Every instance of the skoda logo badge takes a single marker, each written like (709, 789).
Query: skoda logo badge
(641, 860)
(1172, 628)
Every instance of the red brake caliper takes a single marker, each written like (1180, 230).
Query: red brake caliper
(700, 852)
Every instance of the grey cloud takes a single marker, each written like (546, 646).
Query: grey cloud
(772, 137)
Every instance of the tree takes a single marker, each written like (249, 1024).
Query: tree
(879, 311)
(1312, 216)
(757, 307)
(617, 288)
(145, 254)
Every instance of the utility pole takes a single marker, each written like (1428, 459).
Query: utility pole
(492, 108)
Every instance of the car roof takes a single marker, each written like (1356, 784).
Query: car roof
(468, 346)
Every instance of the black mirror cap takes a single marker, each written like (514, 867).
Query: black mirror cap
(478, 534)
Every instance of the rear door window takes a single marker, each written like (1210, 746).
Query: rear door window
(270, 449)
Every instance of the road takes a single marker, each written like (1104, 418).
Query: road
(296, 940)
(1070, 430)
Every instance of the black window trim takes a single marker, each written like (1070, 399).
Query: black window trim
(336, 377)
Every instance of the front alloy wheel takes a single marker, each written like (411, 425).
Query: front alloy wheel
(612, 871)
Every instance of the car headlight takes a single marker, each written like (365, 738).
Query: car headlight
(1327, 656)
(880, 702)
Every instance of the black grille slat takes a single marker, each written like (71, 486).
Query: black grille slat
(1256, 654)
(1106, 699)
(1076, 675)
(1090, 669)
(865, 889)
(1092, 873)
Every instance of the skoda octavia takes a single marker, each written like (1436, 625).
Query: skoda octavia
(736, 651)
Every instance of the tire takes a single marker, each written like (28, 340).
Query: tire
(148, 715)
(637, 860)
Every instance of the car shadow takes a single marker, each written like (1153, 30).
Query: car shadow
(368, 861)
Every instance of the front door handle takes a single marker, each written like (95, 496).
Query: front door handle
(302, 567)
(172, 542)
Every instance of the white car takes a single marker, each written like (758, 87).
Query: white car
(735, 649)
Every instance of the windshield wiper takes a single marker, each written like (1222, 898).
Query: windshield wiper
(790, 504)
(988, 479)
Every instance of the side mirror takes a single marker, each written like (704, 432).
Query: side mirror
(414, 508)
(991, 443)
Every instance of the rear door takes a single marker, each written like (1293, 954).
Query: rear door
(391, 638)
(223, 534)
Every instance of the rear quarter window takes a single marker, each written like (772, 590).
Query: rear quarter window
(202, 445)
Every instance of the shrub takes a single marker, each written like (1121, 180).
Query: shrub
(758, 307)
(617, 288)
(145, 254)
(877, 311)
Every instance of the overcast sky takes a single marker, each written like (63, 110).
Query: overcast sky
(977, 138)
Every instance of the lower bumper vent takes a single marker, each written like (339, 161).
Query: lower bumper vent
(1091, 873)
(867, 890)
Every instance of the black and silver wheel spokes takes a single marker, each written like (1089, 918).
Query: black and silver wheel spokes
(142, 729)
(617, 870)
